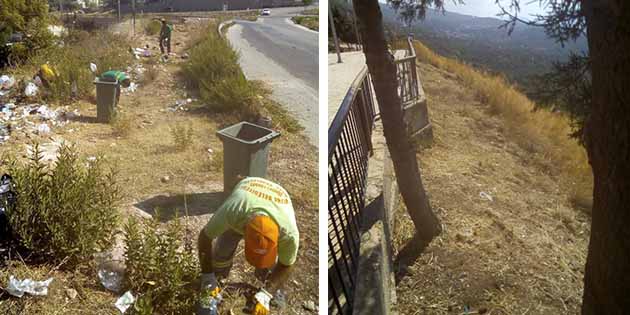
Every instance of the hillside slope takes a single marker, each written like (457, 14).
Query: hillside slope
(512, 242)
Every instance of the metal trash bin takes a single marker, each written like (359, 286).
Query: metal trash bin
(107, 95)
(245, 151)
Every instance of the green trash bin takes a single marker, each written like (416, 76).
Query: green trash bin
(245, 151)
(107, 94)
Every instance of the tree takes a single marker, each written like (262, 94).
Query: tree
(343, 17)
(28, 18)
(381, 66)
(606, 24)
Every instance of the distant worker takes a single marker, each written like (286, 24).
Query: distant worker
(261, 212)
(165, 37)
(46, 75)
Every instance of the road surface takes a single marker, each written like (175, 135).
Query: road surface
(285, 56)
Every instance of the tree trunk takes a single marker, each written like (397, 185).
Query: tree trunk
(381, 67)
(607, 274)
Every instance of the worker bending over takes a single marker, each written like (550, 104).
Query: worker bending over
(261, 212)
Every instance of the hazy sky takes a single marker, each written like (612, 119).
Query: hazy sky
(488, 8)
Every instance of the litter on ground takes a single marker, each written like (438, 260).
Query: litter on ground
(17, 287)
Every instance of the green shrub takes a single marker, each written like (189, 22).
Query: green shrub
(182, 137)
(64, 211)
(71, 62)
(153, 27)
(213, 69)
(160, 265)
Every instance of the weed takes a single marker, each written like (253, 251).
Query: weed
(153, 27)
(312, 22)
(122, 125)
(66, 212)
(267, 107)
(160, 265)
(213, 70)
(182, 137)
(216, 162)
(150, 75)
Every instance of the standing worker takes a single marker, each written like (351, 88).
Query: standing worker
(165, 37)
(261, 212)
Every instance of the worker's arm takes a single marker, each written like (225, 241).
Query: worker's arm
(278, 277)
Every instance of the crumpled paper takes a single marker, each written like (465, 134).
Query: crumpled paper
(124, 302)
(19, 287)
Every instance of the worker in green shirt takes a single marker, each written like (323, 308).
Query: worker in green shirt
(165, 37)
(260, 212)
(116, 76)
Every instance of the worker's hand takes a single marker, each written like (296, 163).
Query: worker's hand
(262, 299)
(209, 295)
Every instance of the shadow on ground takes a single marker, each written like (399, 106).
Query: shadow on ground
(170, 206)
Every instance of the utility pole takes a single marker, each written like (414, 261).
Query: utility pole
(118, 11)
(133, 9)
(334, 31)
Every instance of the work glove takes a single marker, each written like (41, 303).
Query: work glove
(209, 295)
(262, 299)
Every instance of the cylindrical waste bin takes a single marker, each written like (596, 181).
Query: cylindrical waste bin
(107, 94)
(245, 151)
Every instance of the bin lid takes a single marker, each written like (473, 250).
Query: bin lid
(247, 133)
(98, 81)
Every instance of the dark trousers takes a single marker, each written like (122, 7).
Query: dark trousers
(165, 41)
(223, 255)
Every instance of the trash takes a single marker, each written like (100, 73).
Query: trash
(185, 56)
(210, 150)
(72, 293)
(485, 195)
(31, 89)
(46, 113)
(6, 82)
(17, 287)
(93, 67)
(43, 129)
(125, 301)
(165, 179)
(48, 151)
(132, 88)
(110, 273)
(310, 306)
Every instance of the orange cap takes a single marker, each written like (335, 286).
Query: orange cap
(261, 242)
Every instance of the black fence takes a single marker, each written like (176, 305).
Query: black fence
(349, 147)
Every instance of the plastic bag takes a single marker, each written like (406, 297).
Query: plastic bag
(19, 287)
(31, 89)
(125, 301)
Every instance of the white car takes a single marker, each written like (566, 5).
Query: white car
(265, 12)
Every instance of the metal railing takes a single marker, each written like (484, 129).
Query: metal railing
(407, 74)
(349, 147)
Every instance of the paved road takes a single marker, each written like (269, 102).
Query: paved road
(285, 56)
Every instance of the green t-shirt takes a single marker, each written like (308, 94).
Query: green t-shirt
(113, 76)
(255, 195)
(166, 31)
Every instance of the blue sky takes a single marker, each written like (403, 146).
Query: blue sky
(488, 8)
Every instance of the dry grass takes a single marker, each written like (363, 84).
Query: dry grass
(521, 253)
(312, 22)
(541, 132)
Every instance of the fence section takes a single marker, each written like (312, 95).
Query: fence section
(407, 74)
(349, 147)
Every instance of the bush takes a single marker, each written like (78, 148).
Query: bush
(160, 265)
(213, 69)
(71, 62)
(63, 212)
(26, 17)
(182, 137)
(153, 27)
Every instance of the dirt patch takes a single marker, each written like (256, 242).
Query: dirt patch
(512, 242)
